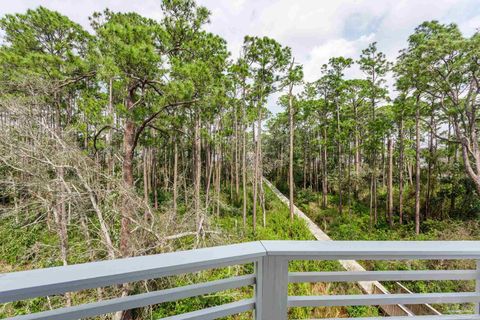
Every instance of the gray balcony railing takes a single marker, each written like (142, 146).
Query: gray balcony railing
(270, 279)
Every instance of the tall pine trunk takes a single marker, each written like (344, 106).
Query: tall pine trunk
(244, 167)
(339, 146)
(324, 173)
(236, 164)
(417, 170)
(127, 175)
(400, 171)
(175, 173)
(128, 180)
(197, 169)
(430, 167)
(291, 184)
(390, 181)
(357, 152)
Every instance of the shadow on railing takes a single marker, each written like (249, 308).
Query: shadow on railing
(270, 278)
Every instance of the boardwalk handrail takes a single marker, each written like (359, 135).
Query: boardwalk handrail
(270, 279)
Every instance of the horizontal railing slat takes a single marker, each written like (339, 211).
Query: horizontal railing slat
(353, 276)
(41, 282)
(380, 299)
(140, 300)
(221, 311)
(373, 250)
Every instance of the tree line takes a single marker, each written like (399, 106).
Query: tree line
(411, 153)
(136, 135)
(131, 138)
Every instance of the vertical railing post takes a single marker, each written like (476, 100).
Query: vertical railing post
(477, 288)
(271, 290)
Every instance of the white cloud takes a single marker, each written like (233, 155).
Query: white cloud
(314, 29)
(470, 26)
(320, 54)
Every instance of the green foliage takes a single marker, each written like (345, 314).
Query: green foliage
(167, 90)
(42, 43)
(278, 227)
(356, 226)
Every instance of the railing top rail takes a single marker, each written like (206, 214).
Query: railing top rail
(33, 283)
(374, 250)
(40, 282)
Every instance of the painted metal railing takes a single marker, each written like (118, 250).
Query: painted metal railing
(270, 278)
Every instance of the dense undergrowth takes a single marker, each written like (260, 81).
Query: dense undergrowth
(34, 246)
(354, 224)
(278, 227)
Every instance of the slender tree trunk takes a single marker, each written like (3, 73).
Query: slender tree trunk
(208, 169)
(146, 172)
(390, 181)
(258, 179)
(340, 173)
(244, 167)
(324, 174)
(218, 180)
(280, 166)
(198, 168)
(384, 163)
(108, 137)
(255, 180)
(451, 162)
(375, 205)
(311, 168)
(291, 183)
(304, 170)
(232, 173)
(319, 165)
(372, 220)
(155, 178)
(349, 173)
(417, 170)
(259, 163)
(373, 195)
(175, 174)
(236, 164)
(400, 172)
(186, 169)
(430, 166)
(357, 151)
(262, 191)
(165, 166)
(127, 173)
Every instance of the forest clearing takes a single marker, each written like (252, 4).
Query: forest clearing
(132, 136)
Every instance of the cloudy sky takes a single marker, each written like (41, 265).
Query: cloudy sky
(315, 29)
